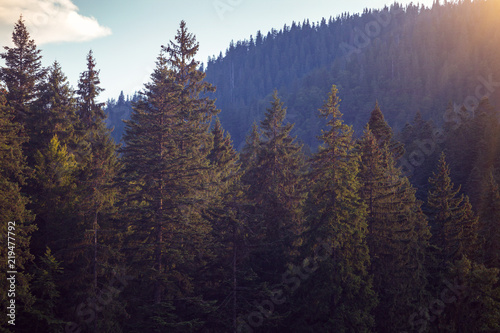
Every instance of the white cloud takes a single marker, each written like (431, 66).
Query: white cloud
(49, 21)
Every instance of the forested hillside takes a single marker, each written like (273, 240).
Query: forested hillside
(175, 230)
(409, 59)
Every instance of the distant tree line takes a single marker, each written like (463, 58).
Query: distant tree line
(410, 58)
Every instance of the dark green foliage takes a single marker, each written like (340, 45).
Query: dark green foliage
(165, 176)
(453, 224)
(474, 303)
(48, 272)
(180, 233)
(423, 144)
(273, 177)
(223, 276)
(489, 215)
(54, 111)
(383, 132)
(342, 288)
(23, 73)
(398, 236)
(17, 219)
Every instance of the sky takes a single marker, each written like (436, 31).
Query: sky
(126, 36)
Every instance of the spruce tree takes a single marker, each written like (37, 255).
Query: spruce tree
(44, 314)
(452, 221)
(228, 266)
(489, 217)
(342, 287)
(275, 197)
(90, 111)
(473, 304)
(52, 153)
(54, 111)
(165, 176)
(398, 236)
(53, 187)
(22, 74)
(383, 132)
(88, 253)
(16, 227)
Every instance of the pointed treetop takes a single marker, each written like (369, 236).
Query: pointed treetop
(418, 118)
(121, 98)
(183, 50)
(338, 130)
(272, 125)
(23, 69)
(331, 105)
(383, 132)
(441, 179)
(91, 112)
(379, 126)
(20, 35)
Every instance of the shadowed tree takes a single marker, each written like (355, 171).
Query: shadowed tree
(165, 177)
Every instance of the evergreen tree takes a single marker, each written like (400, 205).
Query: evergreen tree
(16, 227)
(165, 176)
(43, 316)
(453, 223)
(484, 143)
(92, 253)
(383, 132)
(53, 141)
(275, 193)
(489, 217)
(90, 111)
(473, 304)
(228, 267)
(23, 73)
(54, 111)
(54, 184)
(342, 288)
(398, 236)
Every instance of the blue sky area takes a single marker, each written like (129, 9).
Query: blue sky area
(126, 36)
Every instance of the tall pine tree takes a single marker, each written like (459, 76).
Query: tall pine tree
(16, 227)
(454, 225)
(342, 287)
(383, 132)
(398, 236)
(89, 258)
(275, 194)
(23, 73)
(166, 175)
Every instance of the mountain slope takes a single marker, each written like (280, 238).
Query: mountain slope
(409, 59)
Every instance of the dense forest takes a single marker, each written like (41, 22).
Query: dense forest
(409, 59)
(325, 219)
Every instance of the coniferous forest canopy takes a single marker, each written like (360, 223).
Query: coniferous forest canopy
(338, 176)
